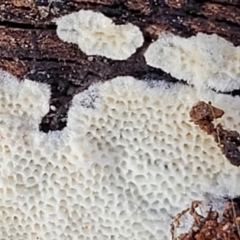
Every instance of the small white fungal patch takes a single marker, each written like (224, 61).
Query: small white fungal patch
(96, 34)
(203, 60)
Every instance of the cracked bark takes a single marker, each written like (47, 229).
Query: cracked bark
(29, 46)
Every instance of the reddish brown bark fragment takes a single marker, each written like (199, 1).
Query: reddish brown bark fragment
(22, 3)
(220, 12)
(212, 226)
(203, 115)
(17, 67)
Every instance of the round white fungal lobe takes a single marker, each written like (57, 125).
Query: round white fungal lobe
(202, 60)
(96, 34)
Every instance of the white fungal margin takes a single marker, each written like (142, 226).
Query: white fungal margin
(96, 34)
(206, 61)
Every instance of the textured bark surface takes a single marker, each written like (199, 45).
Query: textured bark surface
(29, 46)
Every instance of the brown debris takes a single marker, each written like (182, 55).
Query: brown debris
(229, 142)
(203, 114)
(22, 3)
(213, 226)
(17, 67)
(176, 3)
(154, 30)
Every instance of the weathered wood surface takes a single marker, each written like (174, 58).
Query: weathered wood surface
(29, 46)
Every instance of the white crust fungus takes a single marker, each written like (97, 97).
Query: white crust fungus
(202, 60)
(96, 34)
(127, 162)
(26, 99)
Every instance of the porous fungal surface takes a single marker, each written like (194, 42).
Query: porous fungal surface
(202, 60)
(96, 34)
(128, 161)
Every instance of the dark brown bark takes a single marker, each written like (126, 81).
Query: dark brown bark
(29, 46)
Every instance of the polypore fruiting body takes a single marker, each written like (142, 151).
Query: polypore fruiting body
(127, 162)
(23, 99)
(96, 34)
(202, 60)
(22, 105)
